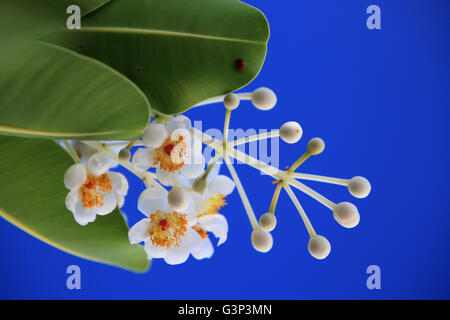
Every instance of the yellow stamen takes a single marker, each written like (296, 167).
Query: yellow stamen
(215, 203)
(202, 232)
(166, 229)
(169, 151)
(94, 189)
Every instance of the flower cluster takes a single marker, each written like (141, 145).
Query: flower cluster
(183, 197)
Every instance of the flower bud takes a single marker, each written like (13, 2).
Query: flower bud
(319, 247)
(268, 221)
(359, 187)
(231, 101)
(264, 98)
(346, 214)
(124, 154)
(262, 240)
(291, 132)
(316, 146)
(177, 198)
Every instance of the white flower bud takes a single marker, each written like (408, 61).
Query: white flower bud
(268, 221)
(316, 146)
(178, 200)
(319, 247)
(262, 240)
(359, 187)
(231, 101)
(291, 132)
(346, 214)
(124, 154)
(264, 98)
(154, 135)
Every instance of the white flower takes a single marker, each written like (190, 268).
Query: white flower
(172, 150)
(166, 233)
(93, 189)
(207, 206)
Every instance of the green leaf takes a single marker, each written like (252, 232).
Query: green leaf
(49, 91)
(178, 52)
(33, 199)
(29, 19)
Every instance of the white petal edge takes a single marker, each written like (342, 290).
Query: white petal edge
(83, 216)
(206, 250)
(151, 200)
(194, 168)
(98, 164)
(221, 184)
(72, 199)
(154, 135)
(139, 232)
(153, 251)
(75, 176)
(217, 224)
(109, 204)
(168, 178)
(119, 183)
(143, 159)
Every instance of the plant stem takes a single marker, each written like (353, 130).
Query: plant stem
(308, 225)
(299, 162)
(226, 125)
(313, 194)
(313, 177)
(71, 151)
(256, 137)
(243, 195)
(241, 96)
(275, 197)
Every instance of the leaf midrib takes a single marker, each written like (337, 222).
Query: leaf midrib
(4, 128)
(165, 33)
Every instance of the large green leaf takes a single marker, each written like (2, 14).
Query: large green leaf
(32, 198)
(49, 91)
(32, 18)
(178, 52)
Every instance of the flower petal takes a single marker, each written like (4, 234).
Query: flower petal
(206, 250)
(176, 255)
(178, 122)
(194, 167)
(191, 240)
(189, 243)
(151, 200)
(83, 216)
(75, 176)
(98, 164)
(154, 251)
(215, 223)
(154, 135)
(72, 198)
(109, 204)
(222, 185)
(190, 213)
(139, 232)
(143, 158)
(168, 178)
(119, 183)
(214, 171)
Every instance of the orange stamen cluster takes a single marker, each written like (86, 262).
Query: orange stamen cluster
(202, 232)
(166, 229)
(163, 154)
(94, 189)
(215, 203)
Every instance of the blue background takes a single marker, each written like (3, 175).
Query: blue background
(379, 99)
